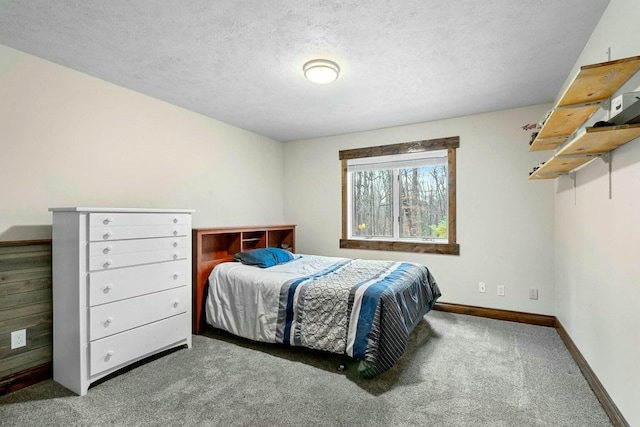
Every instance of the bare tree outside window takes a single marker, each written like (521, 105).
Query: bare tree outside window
(372, 203)
(400, 197)
(423, 202)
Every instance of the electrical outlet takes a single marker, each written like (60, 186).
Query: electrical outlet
(501, 290)
(18, 338)
(482, 287)
(533, 293)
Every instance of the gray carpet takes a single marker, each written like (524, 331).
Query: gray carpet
(458, 371)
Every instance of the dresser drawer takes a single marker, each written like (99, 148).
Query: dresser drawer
(119, 316)
(112, 285)
(100, 219)
(116, 261)
(109, 233)
(121, 253)
(138, 245)
(116, 350)
(116, 226)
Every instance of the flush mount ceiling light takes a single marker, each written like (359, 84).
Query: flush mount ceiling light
(321, 71)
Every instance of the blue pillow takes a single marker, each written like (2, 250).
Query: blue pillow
(264, 257)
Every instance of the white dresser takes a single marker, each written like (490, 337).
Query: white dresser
(121, 289)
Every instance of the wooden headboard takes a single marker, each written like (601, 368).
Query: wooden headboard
(212, 246)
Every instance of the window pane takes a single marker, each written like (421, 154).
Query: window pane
(372, 203)
(423, 202)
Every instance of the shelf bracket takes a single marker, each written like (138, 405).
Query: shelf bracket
(606, 157)
(581, 104)
(572, 175)
(603, 156)
(575, 156)
(544, 175)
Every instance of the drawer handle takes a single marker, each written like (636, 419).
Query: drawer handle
(176, 255)
(110, 354)
(175, 276)
(176, 303)
(175, 232)
(107, 264)
(106, 235)
(175, 220)
(175, 244)
(107, 288)
(107, 220)
(107, 249)
(108, 322)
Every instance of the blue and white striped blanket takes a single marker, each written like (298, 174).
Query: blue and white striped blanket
(365, 309)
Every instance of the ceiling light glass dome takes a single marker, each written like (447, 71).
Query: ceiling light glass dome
(321, 71)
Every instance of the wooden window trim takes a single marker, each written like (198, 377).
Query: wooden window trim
(449, 248)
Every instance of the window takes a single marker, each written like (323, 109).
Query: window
(400, 197)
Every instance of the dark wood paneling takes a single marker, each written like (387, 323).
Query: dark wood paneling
(27, 284)
(25, 303)
(25, 298)
(37, 336)
(25, 315)
(16, 261)
(27, 360)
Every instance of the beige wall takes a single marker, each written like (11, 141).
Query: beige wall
(68, 139)
(505, 222)
(597, 239)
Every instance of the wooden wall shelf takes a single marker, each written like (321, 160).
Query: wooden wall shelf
(560, 124)
(588, 144)
(592, 85)
(558, 166)
(597, 82)
(600, 140)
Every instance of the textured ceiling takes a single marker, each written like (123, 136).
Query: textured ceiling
(402, 61)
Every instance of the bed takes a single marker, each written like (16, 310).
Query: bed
(363, 309)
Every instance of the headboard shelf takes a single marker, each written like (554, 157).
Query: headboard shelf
(219, 246)
(212, 246)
